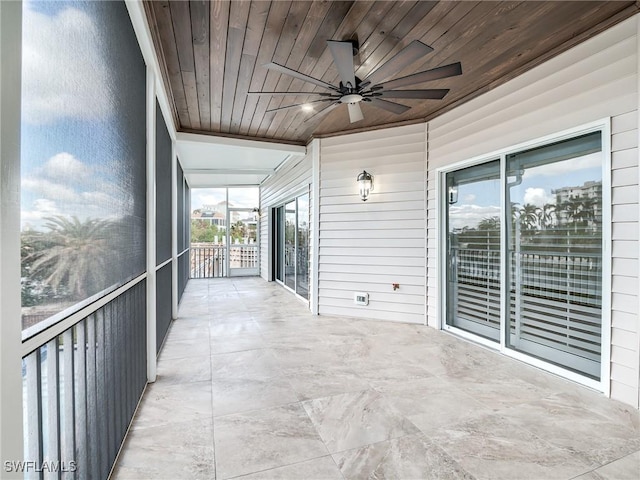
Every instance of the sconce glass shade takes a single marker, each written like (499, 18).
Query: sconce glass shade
(365, 184)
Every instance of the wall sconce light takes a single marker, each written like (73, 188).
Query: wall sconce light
(256, 213)
(365, 184)
(452, 194)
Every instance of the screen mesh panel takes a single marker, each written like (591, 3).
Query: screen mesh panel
(163, 189)
(83, 212)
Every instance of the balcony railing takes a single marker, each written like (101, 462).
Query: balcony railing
(210, 261)
(82, 387)
(554, 298)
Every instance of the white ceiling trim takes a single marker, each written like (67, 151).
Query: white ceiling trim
(212, 161)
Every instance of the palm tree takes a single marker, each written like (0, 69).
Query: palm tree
(529, 216)
(573, 212)
(547, 215)
(73, 256)
(489, 223)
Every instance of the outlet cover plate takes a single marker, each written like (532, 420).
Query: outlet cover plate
(361, 298)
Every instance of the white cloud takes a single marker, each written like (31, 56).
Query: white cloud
(66, 186)
(470, 215)
(469, 198)
(65, 166)
(206, 198)
(59, 50)
(566, 167)
(538, 197)
(50, 190)
(42, 207)
(239, 197)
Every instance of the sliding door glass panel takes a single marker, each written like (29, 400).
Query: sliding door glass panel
(290, 245)
(554, 239)
(243, 242)
(279, 243)
(302, 263)
(473, 249)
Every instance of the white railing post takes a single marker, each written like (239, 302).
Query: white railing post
(11, 443)
(151, 225)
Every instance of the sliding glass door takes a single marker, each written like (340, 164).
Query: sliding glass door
(537, 216)
(302, 237)
(291, 245)
(554, 242)
(473, 249)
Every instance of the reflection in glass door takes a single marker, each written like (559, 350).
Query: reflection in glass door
(290, 245)
(302, 237)
(473, 249)
(548, 304)
(278, 244)
(554, 241)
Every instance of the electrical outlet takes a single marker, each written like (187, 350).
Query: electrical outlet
(360, 298)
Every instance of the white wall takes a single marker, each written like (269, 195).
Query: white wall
(594, 80)
(292, 179)
(368, 246)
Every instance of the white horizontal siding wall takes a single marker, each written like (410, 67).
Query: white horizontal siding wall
(293, 178)
(368, 246)
(594, 80)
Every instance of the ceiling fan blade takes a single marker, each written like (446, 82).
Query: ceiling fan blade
(342, 53)
(299, 105)
(323, 111)
(298, 75)
(399, 61)
(434, 74)
(389, 106)
(284, 94)
(355, 112)
(433, 94)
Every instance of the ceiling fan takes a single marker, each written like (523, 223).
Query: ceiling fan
(373, 89)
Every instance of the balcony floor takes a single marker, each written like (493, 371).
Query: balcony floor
(251, 385)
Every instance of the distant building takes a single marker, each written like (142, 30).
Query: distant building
(212, 214)
(589, 194)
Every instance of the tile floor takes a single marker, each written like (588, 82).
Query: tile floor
(251, 385)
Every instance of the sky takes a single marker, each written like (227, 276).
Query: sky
(61, 173)
(238, 197)
(480, 200)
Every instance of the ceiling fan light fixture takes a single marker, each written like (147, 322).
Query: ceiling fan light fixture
(351, 98)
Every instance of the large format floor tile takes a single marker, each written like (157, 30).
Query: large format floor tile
(263, 439)
(251, 385)
(403, 458)
(355, 419)
(323, 468)
(237, 395)
(489, 447)
(175, 451)
(161, 401)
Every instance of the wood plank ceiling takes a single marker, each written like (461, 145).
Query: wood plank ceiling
(212, 54)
